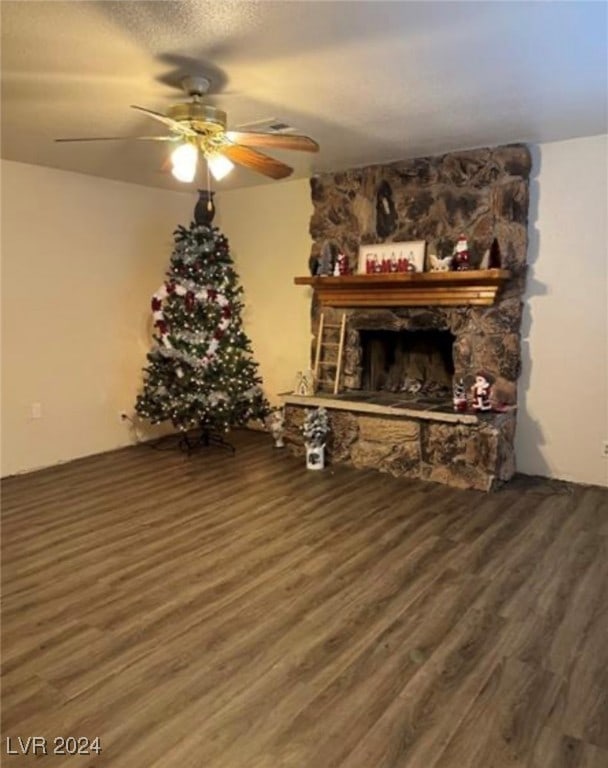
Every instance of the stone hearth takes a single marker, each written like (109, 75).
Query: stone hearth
(462, 450)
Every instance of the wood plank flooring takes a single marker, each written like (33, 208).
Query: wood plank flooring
(219, 612)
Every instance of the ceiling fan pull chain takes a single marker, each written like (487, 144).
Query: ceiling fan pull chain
(209, 203)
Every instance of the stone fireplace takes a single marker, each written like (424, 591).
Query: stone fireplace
(394, 411)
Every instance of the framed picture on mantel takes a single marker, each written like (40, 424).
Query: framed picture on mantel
(395, 254)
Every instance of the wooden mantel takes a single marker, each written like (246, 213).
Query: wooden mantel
(410, 289)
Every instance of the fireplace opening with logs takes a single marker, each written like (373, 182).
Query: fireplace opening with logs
(418, 365)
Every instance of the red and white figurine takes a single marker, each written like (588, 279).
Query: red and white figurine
(460, 258)
(481, 393)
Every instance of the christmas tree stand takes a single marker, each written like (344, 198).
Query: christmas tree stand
(189, 443)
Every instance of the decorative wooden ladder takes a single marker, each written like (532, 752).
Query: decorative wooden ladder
(322, 343)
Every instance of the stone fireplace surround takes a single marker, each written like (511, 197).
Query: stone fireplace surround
(484, 194)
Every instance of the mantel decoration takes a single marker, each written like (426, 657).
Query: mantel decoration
(381, 258)
(315, 430)
(439, 265)
(460, 255)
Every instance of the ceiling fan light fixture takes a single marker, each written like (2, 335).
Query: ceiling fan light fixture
(197, 128)
(184, 160)
(219, 166)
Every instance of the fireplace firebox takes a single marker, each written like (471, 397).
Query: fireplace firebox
(417, 363)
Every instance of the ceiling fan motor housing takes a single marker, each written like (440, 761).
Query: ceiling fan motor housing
(204, 117)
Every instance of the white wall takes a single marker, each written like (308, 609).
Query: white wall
(267, 228)
(563, 416)
(80, 258)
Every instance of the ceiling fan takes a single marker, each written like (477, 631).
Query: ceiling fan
(196, 128)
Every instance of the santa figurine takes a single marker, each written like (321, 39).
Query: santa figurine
(481, 393)
(460, 257)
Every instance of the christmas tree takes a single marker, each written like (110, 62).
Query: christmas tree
(200, 372)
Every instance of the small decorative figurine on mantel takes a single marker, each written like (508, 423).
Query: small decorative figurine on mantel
(329, 257)
(313, 265)
(460, 257)
(491, 258)
(481, 393)
(439, 265)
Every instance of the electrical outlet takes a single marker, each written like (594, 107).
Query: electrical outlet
(605, 449)
(36, 410)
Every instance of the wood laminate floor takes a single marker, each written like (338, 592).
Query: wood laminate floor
(219, 612)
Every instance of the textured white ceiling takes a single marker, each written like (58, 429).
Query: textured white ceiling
(370, 81)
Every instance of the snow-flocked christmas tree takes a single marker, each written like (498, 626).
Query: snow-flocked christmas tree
(200, 372)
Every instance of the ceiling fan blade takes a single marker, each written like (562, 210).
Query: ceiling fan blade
(175, 125)
(123, 138)
(256, 161)
(275, 140)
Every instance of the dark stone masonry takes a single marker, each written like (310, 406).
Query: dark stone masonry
(483, 194)
(478, 455)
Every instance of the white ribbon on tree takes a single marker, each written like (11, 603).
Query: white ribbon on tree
(204, 294)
